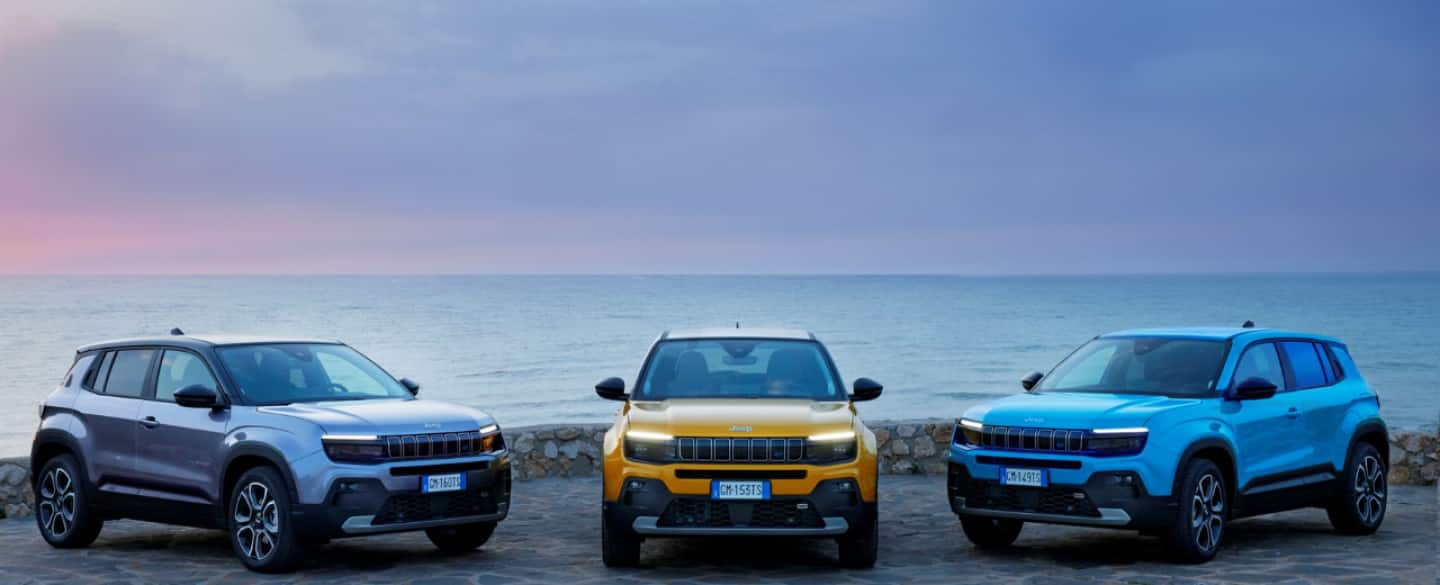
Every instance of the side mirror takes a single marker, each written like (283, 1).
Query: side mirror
(411, 385)
(611, 389)
(1030, 380)
(1253, 388)
(865, 389)
(197, 396)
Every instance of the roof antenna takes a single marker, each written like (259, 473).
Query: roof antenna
(176, 331)
(737, 324)
(1248, 324)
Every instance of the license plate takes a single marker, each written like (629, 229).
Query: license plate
(740, 490)
(1023, 477)
(450, 482)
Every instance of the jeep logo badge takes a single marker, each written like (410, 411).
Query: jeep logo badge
(739, 429)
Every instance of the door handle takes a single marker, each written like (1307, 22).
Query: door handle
(1293, 412)
(150, 422)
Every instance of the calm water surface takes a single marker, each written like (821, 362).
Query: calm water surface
(528, 348)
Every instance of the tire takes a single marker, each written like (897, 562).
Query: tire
(1199, 527)
(1359, 504)
(990, 533)
(618, 547)
(259, 523)
(62, 511)
(461, 538)
(860, 547)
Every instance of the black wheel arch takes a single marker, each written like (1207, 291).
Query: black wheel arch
(1373, 431)
(246, 456)
(51, 443)
(1216, 450)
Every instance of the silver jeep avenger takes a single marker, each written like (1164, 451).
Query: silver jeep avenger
(284, 444)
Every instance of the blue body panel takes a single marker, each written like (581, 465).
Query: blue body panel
(1297, 431)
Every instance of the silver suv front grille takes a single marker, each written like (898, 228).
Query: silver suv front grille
(1033, 439)
(430, 446)
(723, 449)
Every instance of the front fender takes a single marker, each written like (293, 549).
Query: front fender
(1179, 443)
(278, 446)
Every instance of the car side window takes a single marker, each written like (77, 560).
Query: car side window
(1331, 354)
(1260, 361)
(1305, 366)
(95, 379)
(127, 374)
(181, 369)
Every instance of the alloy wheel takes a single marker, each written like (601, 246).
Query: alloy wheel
(1370, 490)
(257, 521)
(57, 502)
(1207, 512)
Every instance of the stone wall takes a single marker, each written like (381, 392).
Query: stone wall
(1414, 457)
(906, 447)
(16, 499)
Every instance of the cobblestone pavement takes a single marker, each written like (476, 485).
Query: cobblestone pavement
(553, 536)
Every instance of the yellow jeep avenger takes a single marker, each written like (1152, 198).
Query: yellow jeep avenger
(732, 432)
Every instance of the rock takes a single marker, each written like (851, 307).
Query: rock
(922, 446)
(900, 448)
(599, 437)
(1412, 443)
(942, 434)
(905, 431)
(567, 433)
(1430, 472)
(903, 466)
(544, 434)
(525, 443)
(881, 436)
(551, 449)
(12, 475)
(1398, 457)
(1399, 475)
(570, 449)
(17, 511)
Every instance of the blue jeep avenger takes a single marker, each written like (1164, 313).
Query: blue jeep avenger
(1174, 432)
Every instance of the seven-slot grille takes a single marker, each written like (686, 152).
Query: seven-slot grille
(1033, 439)
(433, 445)
(711, 449)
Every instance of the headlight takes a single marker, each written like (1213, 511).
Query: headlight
(649, 446)
(967, 432)
(830, 447)
(353, 448)
(1116, 442)
(490, 440)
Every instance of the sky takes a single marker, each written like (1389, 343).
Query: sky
(1028, 137)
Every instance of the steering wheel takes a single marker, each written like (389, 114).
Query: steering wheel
(340, 387)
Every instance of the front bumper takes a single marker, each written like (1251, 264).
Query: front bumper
(1114, 499)
(387, 498)
(648, 508)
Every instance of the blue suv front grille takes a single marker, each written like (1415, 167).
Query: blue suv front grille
(1033, 439)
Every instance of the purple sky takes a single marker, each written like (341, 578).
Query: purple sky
(696, 137)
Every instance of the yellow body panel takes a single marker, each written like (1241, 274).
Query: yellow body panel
(724, 418)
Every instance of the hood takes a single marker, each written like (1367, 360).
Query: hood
(702, 417)
(1074, 410)
(386, 416)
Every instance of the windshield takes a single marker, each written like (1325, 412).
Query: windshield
(282, 373)
(1144, 365)
(739, 368)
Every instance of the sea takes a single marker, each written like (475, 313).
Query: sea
(528, 349)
